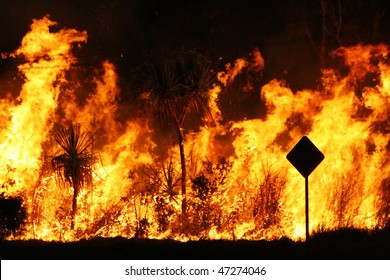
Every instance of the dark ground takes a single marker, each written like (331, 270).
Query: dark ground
(342, 244)
(289, 36)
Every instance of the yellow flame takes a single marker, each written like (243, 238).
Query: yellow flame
(250, 191)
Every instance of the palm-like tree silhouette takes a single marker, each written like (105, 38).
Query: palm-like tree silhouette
(74, 163)
(179, 86)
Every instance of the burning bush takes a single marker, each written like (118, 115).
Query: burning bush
(383, 214)
(250, 192)
(205, 202)
(267, 208)
(163, 183)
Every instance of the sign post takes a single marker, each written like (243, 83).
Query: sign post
(307, 206)
(305, 157)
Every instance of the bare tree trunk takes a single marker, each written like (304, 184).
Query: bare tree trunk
(76, 188)
(74, 208)
(183, 170)
(324, 33)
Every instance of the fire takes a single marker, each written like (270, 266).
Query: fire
(239, 185)
(28, 120)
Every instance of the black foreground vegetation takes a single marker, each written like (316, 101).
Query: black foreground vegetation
(12, 215)
(341, 244)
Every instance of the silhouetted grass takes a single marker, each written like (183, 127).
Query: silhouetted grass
(340, 244)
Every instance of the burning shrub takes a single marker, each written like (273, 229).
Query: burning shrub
(202, 187)
(142, 228)
(383, 214)
(162, 183)
(202, 213)
(345, 197)
(12, 215)
(267, 206)
(141, 207)
(164, 212)
(204, 208)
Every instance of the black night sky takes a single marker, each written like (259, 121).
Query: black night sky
(288, 33)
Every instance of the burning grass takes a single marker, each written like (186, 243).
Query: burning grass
(190, 179)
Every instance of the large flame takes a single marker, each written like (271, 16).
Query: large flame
(28, 119)
(240, 184)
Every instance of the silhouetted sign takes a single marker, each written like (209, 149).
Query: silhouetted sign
(305, 156)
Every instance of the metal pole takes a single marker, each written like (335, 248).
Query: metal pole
(307, 206)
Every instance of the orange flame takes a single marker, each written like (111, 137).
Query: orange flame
(240, 184)
(30, 116)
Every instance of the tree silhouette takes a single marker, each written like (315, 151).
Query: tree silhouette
(177, 87)
(74, 163)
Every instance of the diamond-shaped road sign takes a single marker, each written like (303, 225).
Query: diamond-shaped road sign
(305, 156)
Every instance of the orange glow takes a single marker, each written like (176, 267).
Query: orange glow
(240, 185)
